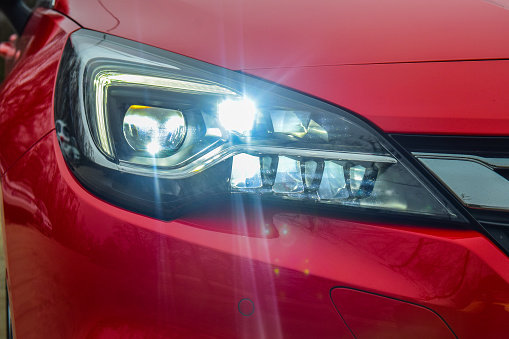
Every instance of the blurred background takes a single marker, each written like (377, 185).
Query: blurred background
(6, 31)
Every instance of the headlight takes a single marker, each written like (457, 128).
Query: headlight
(156, 131)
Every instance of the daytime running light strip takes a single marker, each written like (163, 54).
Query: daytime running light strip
(329, 155)
(221, 154)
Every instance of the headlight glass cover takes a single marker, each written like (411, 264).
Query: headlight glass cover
(153, 131)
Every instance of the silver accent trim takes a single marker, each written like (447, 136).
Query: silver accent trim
(330, 155)
(471, 178)
(491, 163)
(222, 153)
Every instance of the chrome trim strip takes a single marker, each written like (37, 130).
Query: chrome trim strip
(491, 163)
(222, 153)
(330, 155)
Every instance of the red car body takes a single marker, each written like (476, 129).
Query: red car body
(80, 267)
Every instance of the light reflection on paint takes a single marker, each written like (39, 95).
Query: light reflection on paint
(249, 275)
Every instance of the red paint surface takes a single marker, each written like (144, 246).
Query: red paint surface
(94, 268)
(283, 36)
(372, 316)
(464, 98)
(287, 33)
(26, 95)
(98, 269)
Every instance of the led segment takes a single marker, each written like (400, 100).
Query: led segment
(356, 177)
(333, 184)
(268, 170)
(288, 176)
(246, 171)
(315, 179)
(310, 174)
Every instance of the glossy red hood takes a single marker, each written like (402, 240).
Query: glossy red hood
(344, 51)
(247, 34)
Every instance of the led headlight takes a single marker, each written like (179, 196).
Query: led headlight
(156, 131)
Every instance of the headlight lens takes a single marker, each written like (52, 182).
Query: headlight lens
(156, 131)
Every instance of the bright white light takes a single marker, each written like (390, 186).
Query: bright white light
(288, 176)
(333, 185)
(246, 171)
(154, 129)
(356, 177)
(237, 115)
(153, 147)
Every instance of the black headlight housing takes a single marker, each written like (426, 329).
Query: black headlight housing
(154, 132)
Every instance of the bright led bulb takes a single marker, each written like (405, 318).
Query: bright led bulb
(154, 130)
(237, 115)
(153, 147)
(246, 171)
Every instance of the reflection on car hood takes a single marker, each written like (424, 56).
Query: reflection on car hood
(290, 33)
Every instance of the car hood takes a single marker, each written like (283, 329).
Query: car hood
(254, 34)
(408, 66)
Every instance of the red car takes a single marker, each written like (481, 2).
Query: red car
(257, 169)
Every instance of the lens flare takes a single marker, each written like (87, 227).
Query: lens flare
(237, 115)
